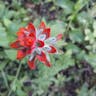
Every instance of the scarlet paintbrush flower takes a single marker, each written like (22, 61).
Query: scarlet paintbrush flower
(34, 42)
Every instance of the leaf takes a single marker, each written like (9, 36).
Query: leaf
(94, 27)
(7, 22)
(76, 35)
(91, 59)
(3, 37)
(72, 47)
(3, 64)
(84, 18)
(80, 4)
(2, 8)
(67, 5)
(92, 11)
(57, 27)
(36, 22)
(20, 92)
(84, 90)
(11, 54)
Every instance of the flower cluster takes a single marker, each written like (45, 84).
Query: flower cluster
(36, 43)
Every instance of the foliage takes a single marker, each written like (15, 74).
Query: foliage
(76, 60)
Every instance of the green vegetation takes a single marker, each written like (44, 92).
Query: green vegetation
(73, 71)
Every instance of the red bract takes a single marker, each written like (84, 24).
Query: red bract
(34, 42)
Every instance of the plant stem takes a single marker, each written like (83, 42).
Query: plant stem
(17, 74)
(5, 79)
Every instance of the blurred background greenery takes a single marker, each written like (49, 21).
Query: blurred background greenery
(73, 72)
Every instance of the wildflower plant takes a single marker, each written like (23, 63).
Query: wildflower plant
(35, 43)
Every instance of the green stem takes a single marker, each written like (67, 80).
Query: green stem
(17, 74)
(5, 79)
(67, 29)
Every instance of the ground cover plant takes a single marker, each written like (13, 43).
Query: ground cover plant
(71, 72)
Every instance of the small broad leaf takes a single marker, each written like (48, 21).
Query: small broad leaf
(11, 54)
(57, 27)
(76, 35)
(67, 5)
(3, 64)
(84, 90)
(7, 22)
(91, 59)
(3, 37)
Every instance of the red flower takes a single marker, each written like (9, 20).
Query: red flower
(34, 43)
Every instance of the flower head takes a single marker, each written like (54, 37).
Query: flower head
(36, 43)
